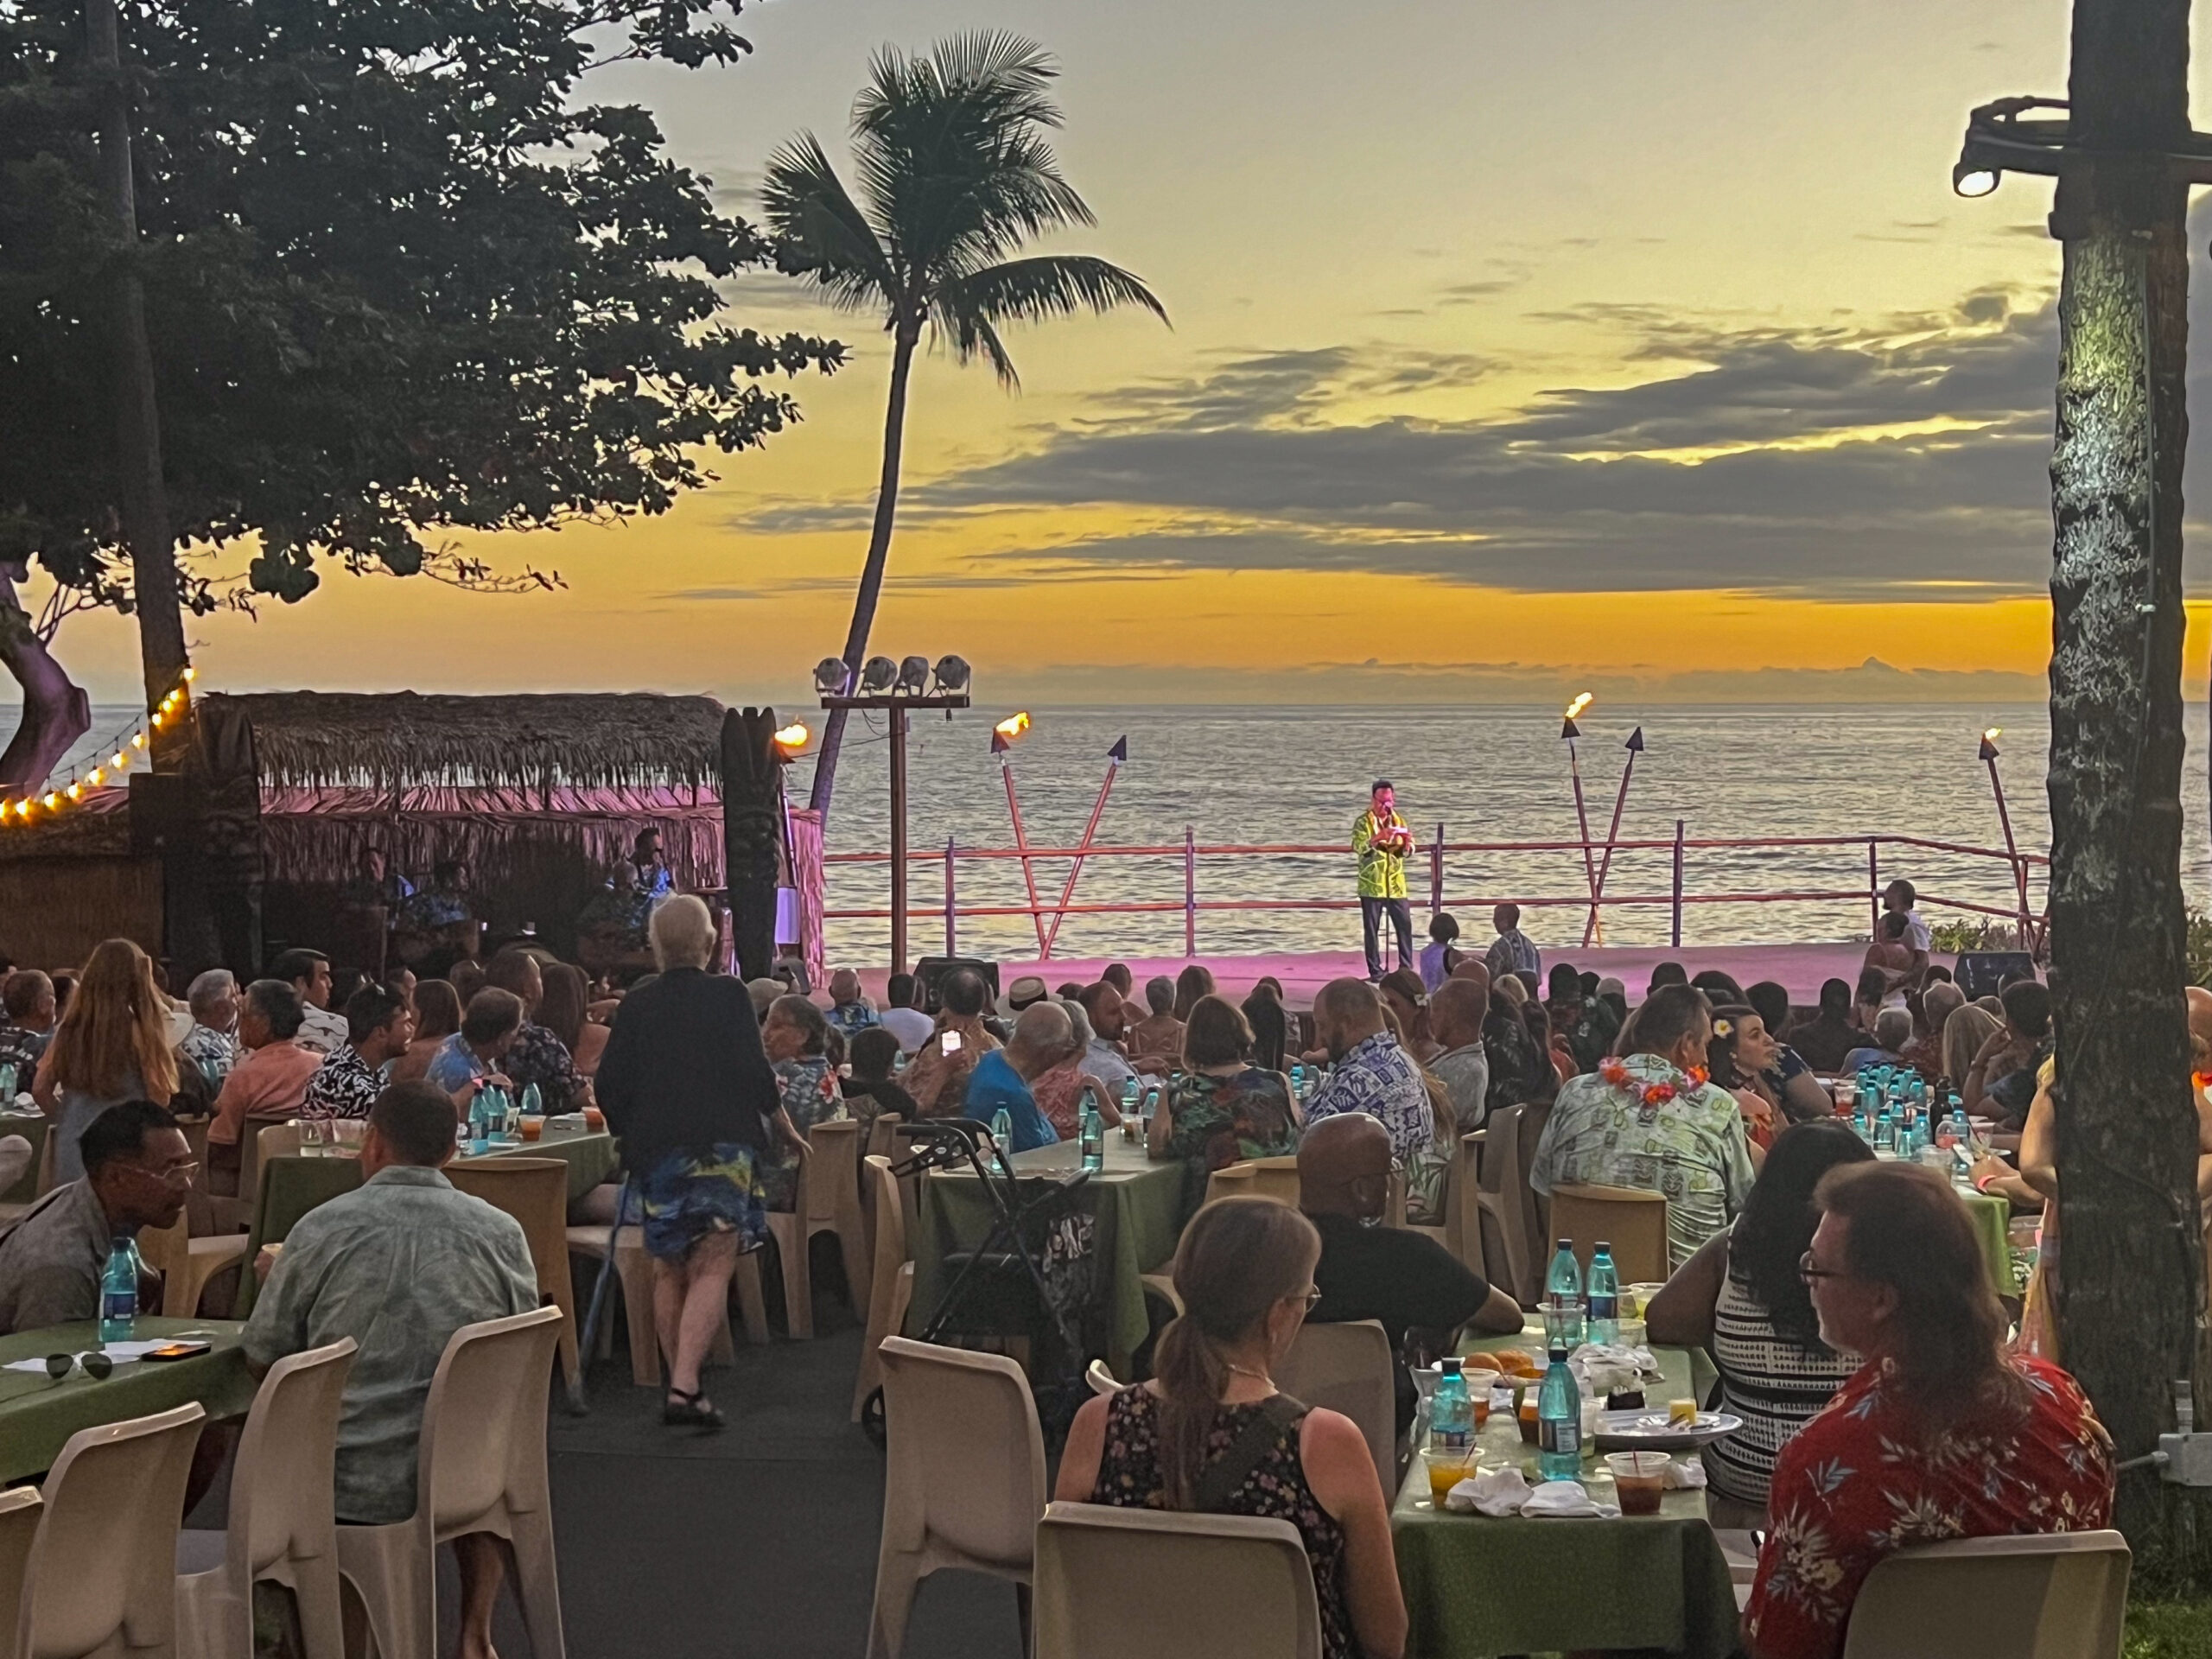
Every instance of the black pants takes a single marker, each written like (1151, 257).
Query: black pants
(1372, 913)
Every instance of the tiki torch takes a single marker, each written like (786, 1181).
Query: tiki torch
(1004, 735)
(2012, 847)
(1595, 928)
(1115, 756)
(1569, 731)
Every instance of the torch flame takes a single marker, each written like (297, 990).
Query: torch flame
(1992, 734)
(1012, 725)
(1582, 701)
(793, 738)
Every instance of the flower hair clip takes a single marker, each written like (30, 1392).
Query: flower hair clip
(1724, 1027)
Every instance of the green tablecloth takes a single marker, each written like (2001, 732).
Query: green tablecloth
(38, 1415)
(292, 1186)
(1476, 1585)
(32, 1126)
(1140, 1207)
(1993, 1222)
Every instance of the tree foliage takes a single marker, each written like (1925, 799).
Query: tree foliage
(401, 278)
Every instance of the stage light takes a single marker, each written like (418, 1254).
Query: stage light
(952, 674)
(877, 675)
(1971, 180)
(792, 738)
(832, 675)
(913, 676)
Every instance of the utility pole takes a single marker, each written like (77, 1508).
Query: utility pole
(2130, 1290)
(142, 502)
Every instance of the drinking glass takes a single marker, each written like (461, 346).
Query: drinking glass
(314, 1135)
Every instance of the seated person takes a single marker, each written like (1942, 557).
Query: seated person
(2001, 1083)
(1940, 1434)
(1825, 1039)
(938, 1079)
(469, 1059)
(1456, 1013)
(138, 1172)
(1107, 1015)
(1000, 1080)
(874, 1088)
(379, 1027)
(1225, 1109)
(1893, 954)
(269, 1082)
(399, 1264)
(793, 1036)
(849, 1011)
(1156, 1041)
(309, 973)
(1212, 1433)
(1063, 1087)
(1420, 1291)
(1789, 1080)
(536, 1055)
(1893, 1034)
(902, 1015)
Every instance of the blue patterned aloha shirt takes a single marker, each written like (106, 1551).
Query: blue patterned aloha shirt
(1378, 1077)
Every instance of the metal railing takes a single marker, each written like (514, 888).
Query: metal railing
(1593, 858)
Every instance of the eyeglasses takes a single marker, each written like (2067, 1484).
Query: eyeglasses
(1312, 1298)
(97, 1365)
(174, 1175)
(1810, 1273)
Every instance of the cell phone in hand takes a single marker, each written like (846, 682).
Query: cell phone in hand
(952, 1042)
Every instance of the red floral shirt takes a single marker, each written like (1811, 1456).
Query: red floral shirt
(1855, 1484)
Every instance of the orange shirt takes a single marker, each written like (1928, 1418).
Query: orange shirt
(271, 1081)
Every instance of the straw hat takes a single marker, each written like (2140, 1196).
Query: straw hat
(1024, 992)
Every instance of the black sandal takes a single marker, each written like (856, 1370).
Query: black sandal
(690, 1414)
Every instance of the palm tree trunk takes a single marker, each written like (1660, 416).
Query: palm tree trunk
(905, 338)
(2130, 1282)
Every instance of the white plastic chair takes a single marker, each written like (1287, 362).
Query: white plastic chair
(1502, 1199)
(2057, 1595)
(482, 1468)
(1146, 1584)
(1347, 1368)
(834, 1202)
(102, 1574)
(21, 1508)
(281, 1529)
(891, 1281)
(187, 1263)
(965, 1481)
(1100, 1380)
(633, 1274)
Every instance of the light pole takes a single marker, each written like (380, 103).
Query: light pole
(1989, 752)
(896, 689)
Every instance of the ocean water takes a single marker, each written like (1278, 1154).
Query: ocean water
(1301, 776)
(1256, 775)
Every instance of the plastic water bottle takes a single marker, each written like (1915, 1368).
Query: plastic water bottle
(1131, 1092)
(7, 1086)
(1093, 1127)
(483, 1112)
(1002, 1133)
(533, 1101)
(119, 1292)
(1885, 1132)
(1559, 1422)
(1297, 1081)
(1604, 1296)
(1451, 1412)
(1563, 1296)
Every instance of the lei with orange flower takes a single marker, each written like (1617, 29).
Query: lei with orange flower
(1652, 1096)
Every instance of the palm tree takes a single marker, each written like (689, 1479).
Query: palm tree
(954, 176)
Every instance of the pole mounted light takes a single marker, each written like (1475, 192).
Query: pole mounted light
(2006, 137)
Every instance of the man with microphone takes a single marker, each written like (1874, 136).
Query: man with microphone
(1382, 843)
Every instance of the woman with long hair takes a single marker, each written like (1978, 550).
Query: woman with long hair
(437, 1016)
(1212, 1433)
(1263, 1012)
(1224, 1109)
(113, 1045)
(1736, 1057)
(1740, 1299)
(565, 1010)
(1939, 1435)
(1521, 1071)
(1402, 994)
(1193, 983)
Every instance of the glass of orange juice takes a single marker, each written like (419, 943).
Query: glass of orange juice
(532, 1127)
(1446, 1469)
(595, 1119)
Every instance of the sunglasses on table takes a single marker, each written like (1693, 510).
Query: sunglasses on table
(97, 1365)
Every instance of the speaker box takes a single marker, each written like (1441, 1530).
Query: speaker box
(929, 974)
(1980, 972)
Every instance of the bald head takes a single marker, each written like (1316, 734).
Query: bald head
(1042, 1038)
(1347, 1012)
(1455, 1012)
(1938, 1002)
(1343, 1167)
(844, 986)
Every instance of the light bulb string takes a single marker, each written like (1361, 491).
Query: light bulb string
(51, 797)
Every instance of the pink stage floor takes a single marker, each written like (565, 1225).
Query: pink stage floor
(1800, 966)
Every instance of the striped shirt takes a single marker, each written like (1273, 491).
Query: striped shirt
(1771, 1383)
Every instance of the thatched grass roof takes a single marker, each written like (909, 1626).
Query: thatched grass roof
(314, 740)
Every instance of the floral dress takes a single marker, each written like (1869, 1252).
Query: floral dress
(811, 1096)
(1128, 1479)
(1220, 1121)
(1857, 1483)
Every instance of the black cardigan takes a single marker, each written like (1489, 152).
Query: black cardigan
(684, 1071)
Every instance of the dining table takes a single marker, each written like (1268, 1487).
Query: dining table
(1138, 1205)
(38, 1414)
(292, 1186)
(1478, 1586)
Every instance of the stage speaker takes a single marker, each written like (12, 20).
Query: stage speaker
(1980, 972)
(930, 973)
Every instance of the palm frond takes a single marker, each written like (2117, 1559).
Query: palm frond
(968, 309)
(826, 237)
(979, 75)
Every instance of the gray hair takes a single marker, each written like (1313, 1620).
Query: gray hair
(208, 989)
(1894, 1029)
(1080, 1019)
(1043, 1028)
(683, 932)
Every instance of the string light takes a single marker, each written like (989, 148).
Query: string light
(173, 706)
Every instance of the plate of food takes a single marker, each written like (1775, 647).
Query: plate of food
(1679, 1427)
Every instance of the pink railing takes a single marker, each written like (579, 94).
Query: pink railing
(1594, 900)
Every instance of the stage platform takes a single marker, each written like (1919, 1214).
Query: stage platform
(1800, 966)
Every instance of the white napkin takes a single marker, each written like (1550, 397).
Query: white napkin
(1565, 1500)
(1495, 1491)
(1682, 1477)
(1615, 1355)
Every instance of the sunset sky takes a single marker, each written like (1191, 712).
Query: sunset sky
(1512, 346)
